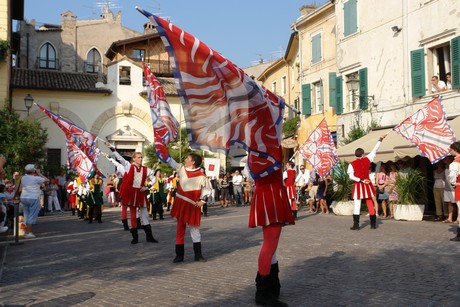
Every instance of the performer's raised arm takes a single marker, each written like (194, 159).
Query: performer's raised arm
(373, 152)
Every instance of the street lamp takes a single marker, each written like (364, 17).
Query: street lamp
(28, 102)
(353, 86)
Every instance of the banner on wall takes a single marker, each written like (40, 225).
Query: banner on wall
(212, 166)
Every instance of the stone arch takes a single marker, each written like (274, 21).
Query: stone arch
(119, 110)
(64, 112)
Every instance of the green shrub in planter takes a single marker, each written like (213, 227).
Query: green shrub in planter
(342, 181)
(410, 187)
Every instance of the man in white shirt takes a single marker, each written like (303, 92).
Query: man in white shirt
(454, 179)
(302, 179)
(237, 181)
(437, 85)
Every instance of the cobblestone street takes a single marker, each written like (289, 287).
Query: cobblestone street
(322, 263)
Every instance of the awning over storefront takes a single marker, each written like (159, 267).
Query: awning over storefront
(393, 148)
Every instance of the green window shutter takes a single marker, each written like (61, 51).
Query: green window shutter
(338, 95)
(316, 48)
(350, 19)
(417, 61)
(306, 99)
(455, 54)
(363, 100)
(332, 98)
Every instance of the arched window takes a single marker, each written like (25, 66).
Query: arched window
(93, 60)
(47, 58)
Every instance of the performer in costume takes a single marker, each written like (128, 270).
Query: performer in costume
(72, 190)
(270, 209)
(289, 176)
(158, 196)
(170, 190)
(120, 171)
(454, 180)
(363, 187)
(94, 198)
(81, 201)
(193, 189)
(133, 195)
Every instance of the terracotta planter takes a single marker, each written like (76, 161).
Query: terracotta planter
(408, 212)
(342, 207)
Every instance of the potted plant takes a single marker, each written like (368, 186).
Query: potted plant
(342, 203)
(410, 188)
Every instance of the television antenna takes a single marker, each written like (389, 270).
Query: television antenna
(157, 11)
(108, 5)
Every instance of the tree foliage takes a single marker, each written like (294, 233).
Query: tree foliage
(290, 126)
(21, 142)
(357, 131)
(178, 151)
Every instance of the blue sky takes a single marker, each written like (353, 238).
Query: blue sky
(242, 30)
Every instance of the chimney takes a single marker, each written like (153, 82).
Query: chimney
(149, 28)
(307, 9)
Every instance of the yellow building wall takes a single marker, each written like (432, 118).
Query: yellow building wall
(4, 69)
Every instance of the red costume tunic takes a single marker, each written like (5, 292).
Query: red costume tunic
(188, 192)
(290, 183)
(72, 196)
(457, 187)
(130, 189)
(362, 190)
(270, 204)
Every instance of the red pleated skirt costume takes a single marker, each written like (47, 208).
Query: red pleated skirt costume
(362, 190)
(270, 203)
(188, 192)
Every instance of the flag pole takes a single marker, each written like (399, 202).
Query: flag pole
(292, 109)
(294, 154)
(105, 141)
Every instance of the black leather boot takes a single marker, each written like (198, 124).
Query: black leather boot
(148, 234)
(125, 224)
(139, 225)
(135, 236)
(355, 222)
(197, 250)
(99, 214)
(373, 219)
(457, 238)
(90, 214)
(264, 294)
(179, 253)
(274, 270)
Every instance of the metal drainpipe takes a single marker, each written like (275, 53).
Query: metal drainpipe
(405, 53)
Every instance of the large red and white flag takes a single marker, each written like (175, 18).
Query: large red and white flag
(165, 125)
(222, 105)
(319, 150)
(78, 161)
(83, 139)
(429, 130)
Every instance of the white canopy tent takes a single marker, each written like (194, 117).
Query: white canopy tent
(393, 148)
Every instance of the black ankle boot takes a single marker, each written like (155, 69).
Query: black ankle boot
(276, 286)
(135, 235)
(125, 224)
(457, 238)
(148, 234)
(197, 250)
(373, 219)
(179, 253)
(264, 292)
(355, 222)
